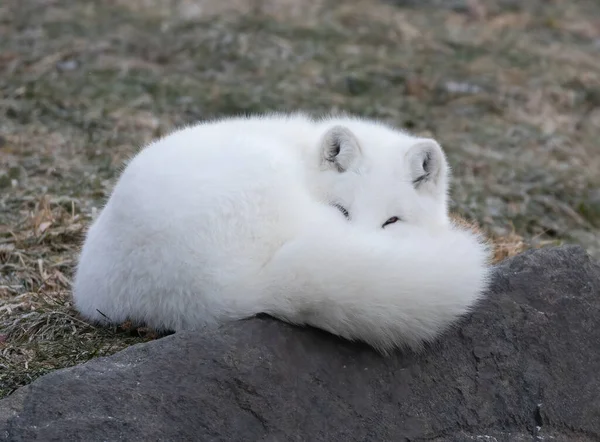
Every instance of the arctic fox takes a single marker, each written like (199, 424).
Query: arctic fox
(339, 223)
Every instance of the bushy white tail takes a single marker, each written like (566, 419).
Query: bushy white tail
(362, 286)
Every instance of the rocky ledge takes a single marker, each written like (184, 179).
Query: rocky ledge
(524, 366)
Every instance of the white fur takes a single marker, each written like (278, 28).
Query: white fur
(231, 218)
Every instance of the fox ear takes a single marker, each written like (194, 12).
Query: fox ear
(339, 149)
(428, 167)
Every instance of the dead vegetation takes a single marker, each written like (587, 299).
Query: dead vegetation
(511, 90)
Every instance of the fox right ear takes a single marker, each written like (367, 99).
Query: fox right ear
(339, 148)
(428, 167)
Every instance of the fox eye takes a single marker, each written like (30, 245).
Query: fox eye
(343, 210)
(392, 220)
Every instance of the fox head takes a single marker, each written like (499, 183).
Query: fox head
(379, 177)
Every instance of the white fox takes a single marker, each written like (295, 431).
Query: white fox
(339, 223)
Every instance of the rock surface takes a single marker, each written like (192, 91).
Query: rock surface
(525, 366)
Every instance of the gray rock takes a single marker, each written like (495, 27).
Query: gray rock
(525, 366)
(452, 5)
(459, 6)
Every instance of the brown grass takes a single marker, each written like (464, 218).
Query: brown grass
(503, 247)
(510, 89)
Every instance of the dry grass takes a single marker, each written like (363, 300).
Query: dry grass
(511, 90)
(503, 247)
(40, 330)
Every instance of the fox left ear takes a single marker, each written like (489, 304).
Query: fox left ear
(339, 149)
(428, 167)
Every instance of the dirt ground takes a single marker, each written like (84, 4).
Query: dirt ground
(511, 89)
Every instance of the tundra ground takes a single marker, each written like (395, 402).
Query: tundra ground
(511, 89)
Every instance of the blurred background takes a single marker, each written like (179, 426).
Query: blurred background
(511, 89)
